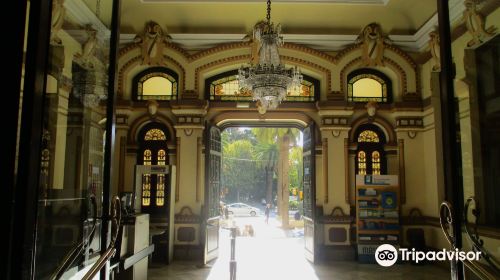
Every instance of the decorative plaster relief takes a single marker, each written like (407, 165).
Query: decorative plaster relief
(409, 122)
(58, 12)
(183, 120)
(475, 24)
(188, 131)
(152, 42)
(373, 43)
(88, 48)
(435, 51)
(337, 121)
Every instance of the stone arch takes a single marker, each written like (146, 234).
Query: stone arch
(131, 67)
(399, 66)
(140, 122)
(383, 124)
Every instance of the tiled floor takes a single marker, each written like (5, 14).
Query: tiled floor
(273, 254)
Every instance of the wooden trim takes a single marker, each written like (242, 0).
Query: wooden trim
(198, 167)
(402, 178)
(324, 157)
(346, 170)
(177, 173)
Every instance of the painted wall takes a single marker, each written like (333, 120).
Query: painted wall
(423, 182)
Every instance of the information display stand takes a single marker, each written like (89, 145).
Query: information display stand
(377, 214)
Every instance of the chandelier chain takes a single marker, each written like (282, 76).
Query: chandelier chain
(268, 16)
(268, 80)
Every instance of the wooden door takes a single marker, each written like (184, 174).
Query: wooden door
(309, 192)
(211, 210)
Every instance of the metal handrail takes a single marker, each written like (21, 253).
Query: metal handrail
(476, 267)
(477, 242)
(72, 255)
(111, 250)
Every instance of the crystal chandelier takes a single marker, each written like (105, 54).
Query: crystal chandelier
(269, 80)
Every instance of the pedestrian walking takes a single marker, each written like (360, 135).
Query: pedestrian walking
(267, 212)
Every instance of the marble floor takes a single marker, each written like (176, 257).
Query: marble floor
(277, 254)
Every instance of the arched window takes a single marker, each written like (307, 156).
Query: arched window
(153, 151)
(364, 85)
(370, 155)
(225, 87)
(157, 83)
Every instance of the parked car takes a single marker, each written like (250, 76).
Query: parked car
(242, 209)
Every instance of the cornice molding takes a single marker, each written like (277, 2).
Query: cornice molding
(83, 15)
(416, 42)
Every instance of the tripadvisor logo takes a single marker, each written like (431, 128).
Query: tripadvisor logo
(387, 255)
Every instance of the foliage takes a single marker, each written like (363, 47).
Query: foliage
(296, 168)
(248, 154)
(293, 204)
(239, 168)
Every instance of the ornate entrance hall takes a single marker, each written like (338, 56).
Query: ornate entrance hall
(275, 253)
(115, 149)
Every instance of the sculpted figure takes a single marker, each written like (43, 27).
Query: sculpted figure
(152, 44)
(89, 47)
(475, 24)
(58, 13)
(435, 51)
(373, 44)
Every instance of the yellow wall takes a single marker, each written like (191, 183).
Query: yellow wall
(424, 183)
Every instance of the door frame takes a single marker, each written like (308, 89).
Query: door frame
(24, 195)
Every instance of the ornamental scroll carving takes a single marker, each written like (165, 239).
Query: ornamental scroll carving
(152, 43)
(475, 24)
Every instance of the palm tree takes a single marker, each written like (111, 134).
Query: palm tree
(282, 138)
(267, 156)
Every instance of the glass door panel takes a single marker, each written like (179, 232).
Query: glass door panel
(475, 53)
(73, 137)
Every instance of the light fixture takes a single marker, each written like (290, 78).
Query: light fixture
(269, 80)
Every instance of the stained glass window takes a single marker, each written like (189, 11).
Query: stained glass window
(361, 162)
(153, 152)
(146, 189)
(156, 83)
(155, 134)
(366, 85)
(147, 157)
(160, 181)
(368, 136)
(146, 180)
(375, 162)
(225, 87)
(370, 154)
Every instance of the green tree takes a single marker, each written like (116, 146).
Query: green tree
(296, 167)
(267, 157)
(238, 168)
(283, 138)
